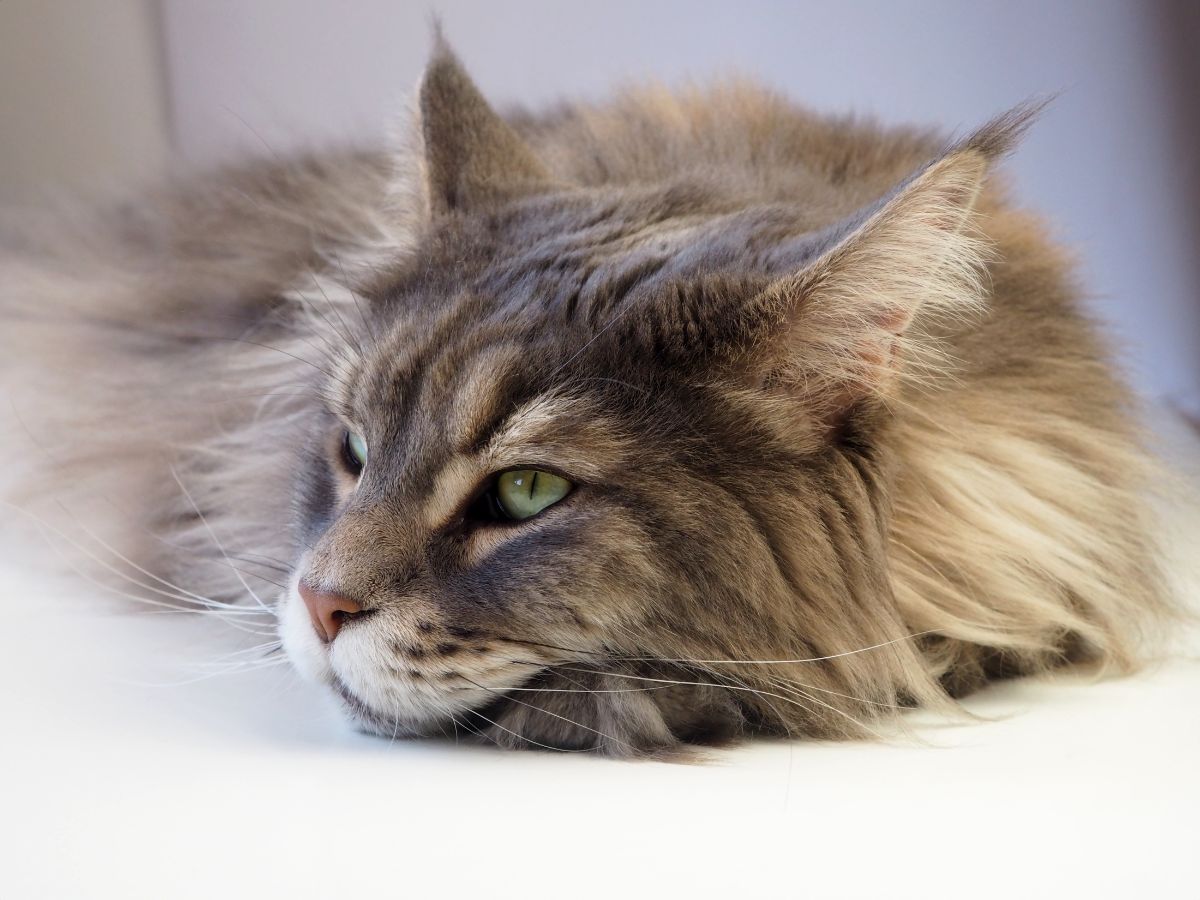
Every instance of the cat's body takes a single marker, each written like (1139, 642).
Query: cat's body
(839, 437)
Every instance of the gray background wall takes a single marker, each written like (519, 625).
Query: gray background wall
(83, 101)
(1113, 162)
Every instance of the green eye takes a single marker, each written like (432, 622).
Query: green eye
(523, 493)
(355, 449)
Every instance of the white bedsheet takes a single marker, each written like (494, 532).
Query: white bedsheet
(128, 773)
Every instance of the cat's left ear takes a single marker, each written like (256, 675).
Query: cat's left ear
(865, 314)
(471, 155)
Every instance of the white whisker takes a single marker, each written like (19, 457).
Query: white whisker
(521, 737)
(216, 540)
(607, 737)
(774, 662)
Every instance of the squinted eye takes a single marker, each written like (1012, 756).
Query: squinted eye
(523, 493)
(354, 449)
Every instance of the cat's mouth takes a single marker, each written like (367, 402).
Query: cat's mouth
(391, 683)
(466, 720)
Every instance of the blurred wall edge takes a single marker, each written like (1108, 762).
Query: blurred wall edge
(1178, 29)
(82, 96)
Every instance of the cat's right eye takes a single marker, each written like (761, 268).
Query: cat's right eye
(519, 494)
(354, 452)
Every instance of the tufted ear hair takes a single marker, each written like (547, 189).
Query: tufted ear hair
(471, 155)
(864, 313)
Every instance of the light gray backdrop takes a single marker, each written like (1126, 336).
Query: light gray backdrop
(1112, 163)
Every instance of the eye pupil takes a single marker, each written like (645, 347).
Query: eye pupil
(523, 493)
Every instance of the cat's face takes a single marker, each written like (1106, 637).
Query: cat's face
(528, 352)
(711, 477)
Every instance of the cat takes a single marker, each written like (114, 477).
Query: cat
(621, 427)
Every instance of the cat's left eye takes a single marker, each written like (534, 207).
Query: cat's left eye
(354, 450)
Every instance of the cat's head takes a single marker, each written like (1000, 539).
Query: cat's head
(601, 456)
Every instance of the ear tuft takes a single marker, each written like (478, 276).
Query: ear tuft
(999, 136)
(472, 156)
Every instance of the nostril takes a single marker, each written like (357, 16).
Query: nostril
(328, 610)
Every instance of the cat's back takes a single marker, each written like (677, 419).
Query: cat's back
(744, 140)
(735, 134)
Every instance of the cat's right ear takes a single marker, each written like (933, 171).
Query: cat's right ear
(472, 157)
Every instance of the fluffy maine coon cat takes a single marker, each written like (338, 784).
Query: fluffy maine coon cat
(622, 426)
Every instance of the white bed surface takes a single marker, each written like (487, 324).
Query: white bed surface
(132, 774)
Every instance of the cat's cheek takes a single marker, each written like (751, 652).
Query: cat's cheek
(300, 642)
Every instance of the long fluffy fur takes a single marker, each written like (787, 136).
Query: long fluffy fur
(168, 357)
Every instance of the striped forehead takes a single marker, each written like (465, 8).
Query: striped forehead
(412, 361)
(481, 397)
(462, 398)
(580, 279)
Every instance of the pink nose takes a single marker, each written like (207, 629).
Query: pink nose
(328, 610)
